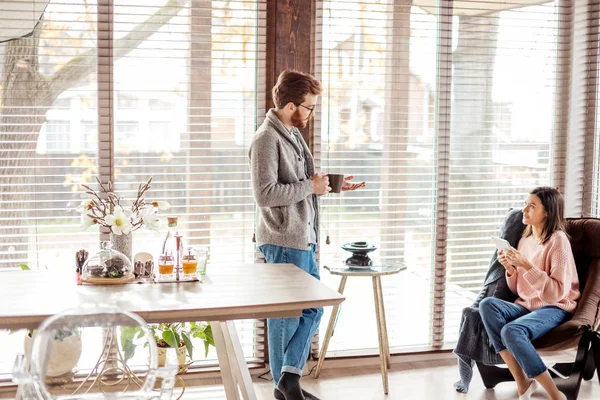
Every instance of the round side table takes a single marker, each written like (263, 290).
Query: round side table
(375, 272)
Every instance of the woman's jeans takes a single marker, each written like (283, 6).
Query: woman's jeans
(513, 327)
(289, 338)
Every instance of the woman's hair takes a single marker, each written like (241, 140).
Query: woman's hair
(554, 204)
(293, 86)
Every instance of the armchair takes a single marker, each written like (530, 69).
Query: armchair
(581, 331)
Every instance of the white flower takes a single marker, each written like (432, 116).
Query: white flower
(86, 221)
(118, 222)
(150, 218)
(161, 205)
(85, 206)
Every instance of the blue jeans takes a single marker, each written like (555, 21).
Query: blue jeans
(289, 338)
(513, 327)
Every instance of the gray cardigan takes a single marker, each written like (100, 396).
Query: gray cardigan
(280, 186)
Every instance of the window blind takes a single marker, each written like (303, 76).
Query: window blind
(168, 89)
(506, 125)
(187, 101)
(377, 65)
(48, 60)
(589, 64)
(581, 191)
(450, 111)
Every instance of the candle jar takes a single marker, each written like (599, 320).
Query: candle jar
(189, 262)
(165, 264)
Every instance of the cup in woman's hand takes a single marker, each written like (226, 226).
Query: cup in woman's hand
(335, 182)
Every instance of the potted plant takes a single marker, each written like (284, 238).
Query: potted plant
(170, 335)
(66, 348)
(65, 354)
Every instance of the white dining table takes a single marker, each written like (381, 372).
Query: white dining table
(230, 292)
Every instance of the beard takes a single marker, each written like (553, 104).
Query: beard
(297, 120)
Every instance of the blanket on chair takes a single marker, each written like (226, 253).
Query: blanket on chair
(473, 343)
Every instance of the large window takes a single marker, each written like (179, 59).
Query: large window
(504, 81)
(184, 84)
(448, 113)
(376, 122)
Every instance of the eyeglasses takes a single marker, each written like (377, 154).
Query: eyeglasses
(311, 109)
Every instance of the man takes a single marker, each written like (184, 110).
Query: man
(285, 187)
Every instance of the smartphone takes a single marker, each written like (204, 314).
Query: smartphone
(501, 244)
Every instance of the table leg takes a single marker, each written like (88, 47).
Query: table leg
(384, 323)
(329, 332)
(238, 362)
(231, 389)
(382, 358)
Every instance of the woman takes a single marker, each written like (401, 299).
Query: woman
(542, 273)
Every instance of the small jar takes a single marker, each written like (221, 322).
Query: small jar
(202, 259)
(189, 262)
(165, 264)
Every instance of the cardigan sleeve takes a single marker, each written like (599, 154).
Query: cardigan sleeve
(264, 169)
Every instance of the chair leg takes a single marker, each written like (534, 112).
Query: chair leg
(570, 386)
(596, 351)
(590, 366)
(492, 375)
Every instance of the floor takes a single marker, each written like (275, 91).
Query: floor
(430, 380)
(423, 380)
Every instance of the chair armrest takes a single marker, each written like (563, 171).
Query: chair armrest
(588, 311)
(586, 316)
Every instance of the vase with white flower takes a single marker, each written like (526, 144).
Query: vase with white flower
(107, 209)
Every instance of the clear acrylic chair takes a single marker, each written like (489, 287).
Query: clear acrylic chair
(103, 329)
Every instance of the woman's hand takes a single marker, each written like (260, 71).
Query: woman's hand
(505, 262)
(515, 258)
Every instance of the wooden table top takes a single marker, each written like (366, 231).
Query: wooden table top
(237, 291)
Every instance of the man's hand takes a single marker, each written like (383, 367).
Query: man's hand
(505, 262)
(321, 183)
(347, 185)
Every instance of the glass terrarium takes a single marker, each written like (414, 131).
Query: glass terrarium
(107, 266)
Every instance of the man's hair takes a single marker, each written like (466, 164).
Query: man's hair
(554, 204)
(293, 86)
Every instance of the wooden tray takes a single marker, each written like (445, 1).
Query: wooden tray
(127, 278)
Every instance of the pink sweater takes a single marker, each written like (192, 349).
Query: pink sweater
(553, 279)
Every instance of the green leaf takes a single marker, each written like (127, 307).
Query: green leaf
(169, 338)
(128, 350)
(206, 347)
(200, 335)
(24, 267)
(127, 333)
(177, 337)
(188, 345)
(128, 336)
(209, 335)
